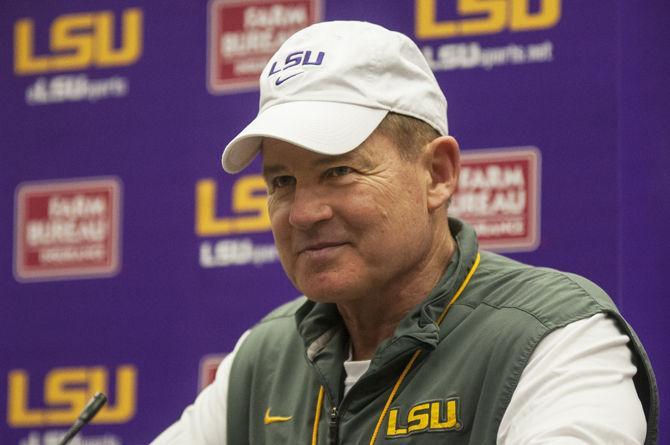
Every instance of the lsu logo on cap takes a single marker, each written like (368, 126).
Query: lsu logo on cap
(296, 58)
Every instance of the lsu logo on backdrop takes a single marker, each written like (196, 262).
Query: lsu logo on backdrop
(448, 19)
(67, 229)
(478, 17)
(246, 213)
(432, 416)
(499, 195)
(77, 42)
(243, 35)
(65, 393)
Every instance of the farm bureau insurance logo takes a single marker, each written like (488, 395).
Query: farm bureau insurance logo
(65, 392)
(209, 364)
(76, 42)
(248, 202)
(243, 35)
(448, 19)
(499, 195)
(67, 229)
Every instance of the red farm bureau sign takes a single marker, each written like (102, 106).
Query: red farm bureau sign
(244, 34)
(499, 195)
(67, 229)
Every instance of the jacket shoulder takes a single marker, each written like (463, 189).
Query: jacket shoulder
(275, 331)
(286, 310)
(552, 297)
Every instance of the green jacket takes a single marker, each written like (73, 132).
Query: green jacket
(287, 377)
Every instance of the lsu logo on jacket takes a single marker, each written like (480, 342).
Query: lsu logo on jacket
(430, 416)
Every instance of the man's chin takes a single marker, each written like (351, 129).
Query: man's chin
(327, 292)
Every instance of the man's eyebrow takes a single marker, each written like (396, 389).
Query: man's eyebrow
(269, 170)
(334, 159)
(356, 157)
(272, 169)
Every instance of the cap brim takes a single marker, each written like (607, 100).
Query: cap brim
(330, 128)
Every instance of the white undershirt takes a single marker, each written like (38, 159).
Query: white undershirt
(576, 389)
(353, 370)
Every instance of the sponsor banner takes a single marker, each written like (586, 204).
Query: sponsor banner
(75, 88)
(77, 42)
(67, 229)
(44, 405)
(54, 437)
(499, 195)
(248, 199)
(464, 19)
(208, 366)
(243, 35)
(236, 252)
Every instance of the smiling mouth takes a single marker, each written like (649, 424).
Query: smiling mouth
(320, 247)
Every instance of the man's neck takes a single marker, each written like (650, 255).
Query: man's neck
(374, 318)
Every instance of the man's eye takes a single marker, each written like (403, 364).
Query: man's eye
(283, 181)
(339, 171)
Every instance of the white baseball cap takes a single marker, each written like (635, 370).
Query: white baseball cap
(330, 85)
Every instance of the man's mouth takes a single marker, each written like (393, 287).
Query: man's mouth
(319, 246)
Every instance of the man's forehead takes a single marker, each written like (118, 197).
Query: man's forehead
(277, 154)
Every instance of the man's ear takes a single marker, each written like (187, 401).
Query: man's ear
(444, 165)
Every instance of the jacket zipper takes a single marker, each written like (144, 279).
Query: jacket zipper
(333, 426)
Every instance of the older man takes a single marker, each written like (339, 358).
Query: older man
(406, 333)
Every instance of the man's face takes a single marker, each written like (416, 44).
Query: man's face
(347, 226)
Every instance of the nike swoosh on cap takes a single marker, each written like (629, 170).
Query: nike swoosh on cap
(279, 80)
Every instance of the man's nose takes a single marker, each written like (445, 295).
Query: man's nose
(309, 207)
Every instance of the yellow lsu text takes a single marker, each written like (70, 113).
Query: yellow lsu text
(249, 197)
(66, 392)
(478, 17)
(79, 41)
(438, 415)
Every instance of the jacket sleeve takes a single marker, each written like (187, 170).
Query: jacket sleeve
(577, 388)
(204, 422)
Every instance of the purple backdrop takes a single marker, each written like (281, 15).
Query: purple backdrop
(133, 297)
